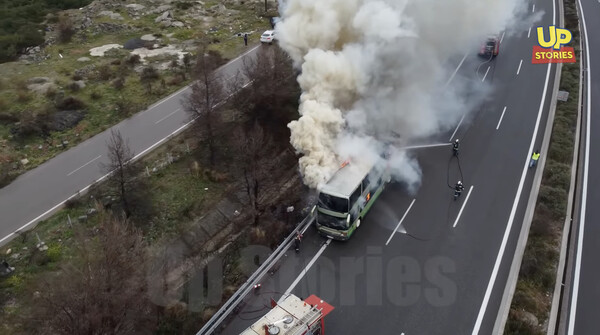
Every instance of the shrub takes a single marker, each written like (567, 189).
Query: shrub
(175, 80)
(23, 96)
(118, 83)
(54, 252)
(29, 124)
(133, 60)
(16, 282)
(149, 73)
(7, 117)
(51, 93)
(125, 106)
(73, 86)
(183, 5)
(95, 95)
(104, 72)
(70, 104)
(72, 203)
(65, 29)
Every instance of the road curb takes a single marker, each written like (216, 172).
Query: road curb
(513, 276)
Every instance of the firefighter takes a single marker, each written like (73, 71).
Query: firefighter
(297, 241)
(455, 147)
(458, 188)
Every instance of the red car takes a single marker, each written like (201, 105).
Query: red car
(490, 47)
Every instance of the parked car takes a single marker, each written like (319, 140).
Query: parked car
(268, 36)
(491, 47)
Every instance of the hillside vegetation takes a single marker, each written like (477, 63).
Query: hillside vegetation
(21, 23)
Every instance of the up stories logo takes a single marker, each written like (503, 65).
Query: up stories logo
(553, 49)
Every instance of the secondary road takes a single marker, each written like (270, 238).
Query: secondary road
(39, 192)
(442, 269)
(584, 282)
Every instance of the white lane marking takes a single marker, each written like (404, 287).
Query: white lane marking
(586, 166)
(519, 69)
(456, 70)
(488, 291)
(458, 126)
(400, 222)
(501, 116)
(533, 9)
(529, 32)
(486, 72)
(502, 38)
(84, 165)
(426, 146)
(310, 264)
(462, 207)
(167, 116)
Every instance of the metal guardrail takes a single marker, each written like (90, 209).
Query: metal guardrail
(243, 291)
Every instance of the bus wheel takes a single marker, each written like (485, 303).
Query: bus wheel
(357, 223)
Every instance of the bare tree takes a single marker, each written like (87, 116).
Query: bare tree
(102, 289)
(254, 145)
(122, 172)
(203, 103)
(273, 96)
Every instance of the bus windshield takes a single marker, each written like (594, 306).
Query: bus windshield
(333, 203)
(332, 221)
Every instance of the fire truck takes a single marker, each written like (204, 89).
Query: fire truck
(292, 316)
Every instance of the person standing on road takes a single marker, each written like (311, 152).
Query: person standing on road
(455, 146)
(246, 39)
(534, 158)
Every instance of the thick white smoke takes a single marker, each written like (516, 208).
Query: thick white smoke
(374, 70)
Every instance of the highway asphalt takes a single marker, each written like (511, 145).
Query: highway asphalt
(584, 279)
(440, 273)
(39, 192)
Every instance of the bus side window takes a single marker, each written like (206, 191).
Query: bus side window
(354, 197)
(365, 185)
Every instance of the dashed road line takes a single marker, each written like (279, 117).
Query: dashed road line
(462, 207)
(84, 165)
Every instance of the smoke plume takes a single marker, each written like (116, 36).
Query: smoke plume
(373, 72)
